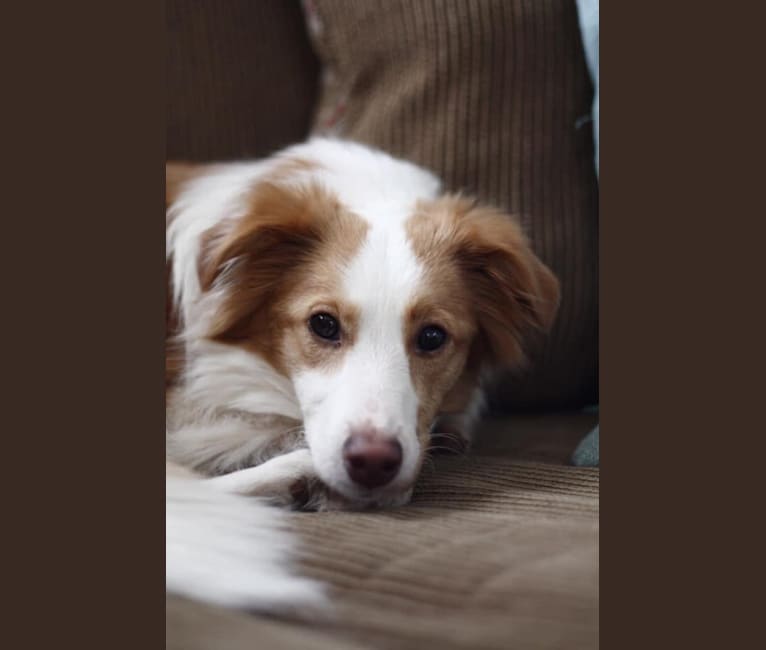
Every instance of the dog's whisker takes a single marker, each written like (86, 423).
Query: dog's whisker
(450, 435)
(444, 448)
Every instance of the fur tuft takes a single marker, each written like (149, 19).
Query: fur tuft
(230, 550)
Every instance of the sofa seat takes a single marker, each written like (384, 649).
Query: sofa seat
(498, 549)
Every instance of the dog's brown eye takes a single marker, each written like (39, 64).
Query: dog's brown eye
(431, 338)
(325, 326)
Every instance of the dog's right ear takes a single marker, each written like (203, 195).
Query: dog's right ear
(515, 294)
(177, 174)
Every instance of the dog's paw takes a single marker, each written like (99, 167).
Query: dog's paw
(309, 494)
(275, 480)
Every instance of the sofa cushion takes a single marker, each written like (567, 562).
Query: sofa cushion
(498, 549)
(241, 78)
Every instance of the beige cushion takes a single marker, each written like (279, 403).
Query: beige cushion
(497, 550)
(241, 78)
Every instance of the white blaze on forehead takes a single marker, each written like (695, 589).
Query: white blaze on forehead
(373, 386)
(383, 277)
(381, 281)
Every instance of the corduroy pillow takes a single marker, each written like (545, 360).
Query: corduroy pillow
(241, 78)
(490, 96)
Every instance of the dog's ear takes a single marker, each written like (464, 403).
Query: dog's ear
(258, 252)
(514, 294)
(279, 228)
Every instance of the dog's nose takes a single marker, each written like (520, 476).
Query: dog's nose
(372, 459)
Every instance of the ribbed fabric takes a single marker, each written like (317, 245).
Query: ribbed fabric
(241, 78)
(490, 554)
(493, 552)
(487, 94)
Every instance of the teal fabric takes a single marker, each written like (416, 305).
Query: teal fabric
(587, 11)
(586, 454)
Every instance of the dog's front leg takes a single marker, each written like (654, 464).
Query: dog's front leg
(282, 478)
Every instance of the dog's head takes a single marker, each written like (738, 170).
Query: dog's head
(382, 307)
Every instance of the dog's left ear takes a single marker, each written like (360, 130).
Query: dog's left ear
(514, 293)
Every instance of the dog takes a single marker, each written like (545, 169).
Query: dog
(329, 310)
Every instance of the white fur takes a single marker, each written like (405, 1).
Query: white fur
(230, 550)
(251, 384)
(222, 384)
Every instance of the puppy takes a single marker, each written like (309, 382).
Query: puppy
(329, 309)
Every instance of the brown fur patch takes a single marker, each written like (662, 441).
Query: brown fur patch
(485, 287)
(278, 265)
(435, 374)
